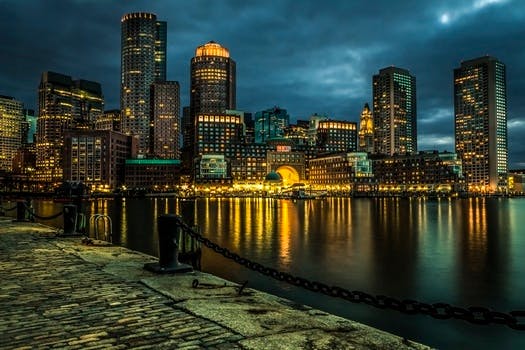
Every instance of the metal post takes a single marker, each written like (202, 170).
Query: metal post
(169, 232)
(20, 211)
(70, 219)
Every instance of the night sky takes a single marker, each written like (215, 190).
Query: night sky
(307, 56)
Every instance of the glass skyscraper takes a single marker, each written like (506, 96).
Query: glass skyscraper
(143, 61)
(63, 104)
(480, 109)
(394, 111)
(270, 123)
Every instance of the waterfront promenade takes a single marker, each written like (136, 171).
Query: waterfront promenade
(58, 293)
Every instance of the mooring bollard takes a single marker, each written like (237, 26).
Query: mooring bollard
(21, 211)
(70, 219)
(169, 232)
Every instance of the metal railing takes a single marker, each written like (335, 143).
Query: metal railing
(107, 225)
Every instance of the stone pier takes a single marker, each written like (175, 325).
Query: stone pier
(58, 293)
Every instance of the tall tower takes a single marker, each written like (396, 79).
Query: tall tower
(480, 109)
(395, 113)
(366, 130)
(143, 61)
(212, 86)
(165, 120)
(63, 104)
(11, 118)
(212, 80)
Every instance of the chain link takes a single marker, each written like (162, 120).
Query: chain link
(6, 210)
(34, 215)
(474, 315)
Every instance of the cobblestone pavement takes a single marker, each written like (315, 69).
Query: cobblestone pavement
(53, 299)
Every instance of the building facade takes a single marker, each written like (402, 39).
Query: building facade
(343, 172)
(152, 174)
(270, 123)
(394, 111)
(336, 136)
(109, 120)
(422, 172)
(480, 109)
(11, 135)
(143, 61)
(64, 104)
(165, 120)
(96, 157)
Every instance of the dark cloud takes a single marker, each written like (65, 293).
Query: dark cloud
(306, 56)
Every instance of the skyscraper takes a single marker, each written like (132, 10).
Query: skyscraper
(165, 120)
(212, 89)
(64, 104)
(480, 109)
(395, 113)
(143, 61)
(11, 118)
(366, 130)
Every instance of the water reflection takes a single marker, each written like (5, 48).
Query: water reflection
(466, 252)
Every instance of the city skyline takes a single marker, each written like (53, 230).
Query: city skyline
(312, 60)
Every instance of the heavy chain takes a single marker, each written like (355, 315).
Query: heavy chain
(34, 215)
(6, 210)
(475, 314)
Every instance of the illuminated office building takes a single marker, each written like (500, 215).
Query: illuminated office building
(270, 123)
(11, 119)
(212, 91)
(314, 121)
(336, 136)
(109, 120)
(152, 174)
(218, 134)
(96, 157)
(421, 172)
(350, 171)
(64, 104)
(480, 108)
(143, 61)
(251, 167)
(165, 120)
(395, 112)
(366, 130)
(212, 80)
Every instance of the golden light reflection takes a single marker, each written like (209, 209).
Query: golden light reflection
(285, 233)
(477, 233)
(166, 206)
(235, 218)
